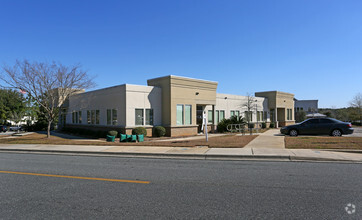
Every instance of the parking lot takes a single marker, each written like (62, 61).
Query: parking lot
(7, 133)
(357, 132)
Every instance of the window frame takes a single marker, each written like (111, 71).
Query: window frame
(114, 116)
(179, 114)
(186, 121)
(209, 119)
(149, 117)
(142, 116)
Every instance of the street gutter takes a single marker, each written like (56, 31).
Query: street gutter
(180, 156)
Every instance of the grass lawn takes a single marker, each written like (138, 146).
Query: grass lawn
(231, 141)
(323, 142)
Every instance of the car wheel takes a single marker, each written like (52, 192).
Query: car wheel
(336, 133)
(293, 133)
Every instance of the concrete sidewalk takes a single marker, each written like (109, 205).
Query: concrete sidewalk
(269, 139)
(257, 153)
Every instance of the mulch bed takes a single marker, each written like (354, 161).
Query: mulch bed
(227, 141)
(310, 142)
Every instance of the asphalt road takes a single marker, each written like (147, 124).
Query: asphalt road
(178, 189)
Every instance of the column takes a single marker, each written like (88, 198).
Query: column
(276, 117)
(213, 119)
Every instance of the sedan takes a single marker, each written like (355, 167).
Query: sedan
(316, 126)
(3, 128)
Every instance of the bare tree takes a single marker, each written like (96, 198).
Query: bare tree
(357, 103)
(49, 84)
(250, 106)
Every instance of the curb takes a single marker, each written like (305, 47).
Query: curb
(180, 156)
(344, 151)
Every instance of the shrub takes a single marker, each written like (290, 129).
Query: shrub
(139, 130)
(263, 125)
(271, 125)
(103, 134)
(159, 131)
(251, 125)
(223, 124)
(90, 133)
(113, 133)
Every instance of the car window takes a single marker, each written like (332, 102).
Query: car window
(312, 121)
(325, 121)
(335, 120)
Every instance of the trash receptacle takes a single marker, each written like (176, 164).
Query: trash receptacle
(110, 138)
(140, 138)
(123, 138)
(129, 137)
(134, 138)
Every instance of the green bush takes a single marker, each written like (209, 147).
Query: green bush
(272, 125)
(251, 125)
(139, 130)
(223, 124)
(263, 125)
(113, 133)
(159, 131)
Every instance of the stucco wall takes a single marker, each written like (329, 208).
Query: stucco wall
(125, 98)
(186, 91)
(102, 99)
(143, 97)
(228, 103)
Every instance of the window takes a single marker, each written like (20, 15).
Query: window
(114, 116)
(179, 114)
(312, 121)
(248, 116)
(188, 115)
(265, 116)
(109, 116)
(232, 113)
(80, 117)
(222, 115)
(89, 117)
(97, 117)
(76, 118)
(325, 121)
(139, 117)
(272, 114)
(93, 117)
(289, 114)
(217, 116)
(149, 116)
(209, 116)
(259, 116)
(237, 113)
(73, 117)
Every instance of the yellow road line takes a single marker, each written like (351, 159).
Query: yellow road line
(76, 177)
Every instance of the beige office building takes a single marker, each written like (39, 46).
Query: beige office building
(175, 102)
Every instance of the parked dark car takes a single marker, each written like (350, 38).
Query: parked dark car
(16, 128)
(3, 128)
(316, 126)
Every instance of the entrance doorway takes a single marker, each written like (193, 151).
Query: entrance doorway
(199, 114)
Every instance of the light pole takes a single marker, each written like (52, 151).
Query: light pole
(256, 110)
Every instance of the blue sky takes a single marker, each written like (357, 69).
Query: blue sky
(310, 48)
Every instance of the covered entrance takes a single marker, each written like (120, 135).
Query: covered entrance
(281, 106)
